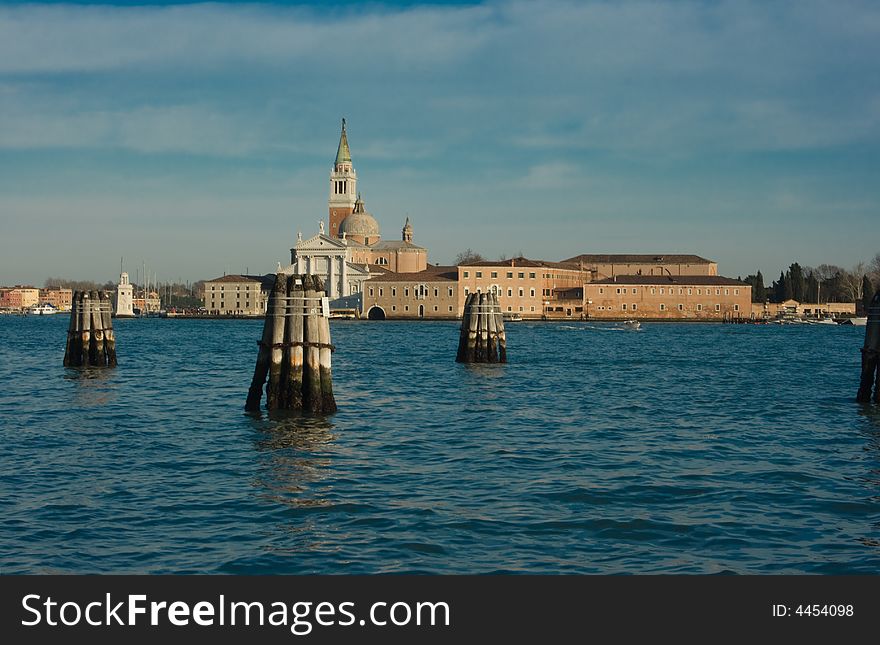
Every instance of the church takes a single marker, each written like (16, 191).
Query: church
(350, 250)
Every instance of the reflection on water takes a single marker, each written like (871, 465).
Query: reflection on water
(290, 445)
(96, 386)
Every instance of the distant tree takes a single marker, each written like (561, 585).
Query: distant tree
(787, 291)
(874, 269)
(811, 291)
(867, 291)
(798, 284)
(468, 256)
(759, 292)
(851, 282)
(778, 288)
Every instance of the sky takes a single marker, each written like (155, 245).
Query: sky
(198, 138)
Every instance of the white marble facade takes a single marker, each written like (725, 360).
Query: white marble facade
(329, 258)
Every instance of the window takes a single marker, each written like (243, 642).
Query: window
(717, 292)
(532, 293)
(406, 307)
(479, 274)
(371, 291)
(681, 307)
(533, 308)
(520, 308)
(699, 292)
(634, 306)
(727, 292)
(635, 290)
(736, 307)
(653, 291)
(736, 292)
(689, 291)
(450, 307)
(465, 274)
(623, 306)
(520, 292)
(466, 291)
(406, 292)
(618, 290)
(717, 307)
(661, 291)
(520, 275)
(510, 309)
(380, 291)
(601, 290)
(393, 292)
(494, 274)
(436, 308)
(510, 274)
(699, 307)
(393, 307)
(531, 276)
(450, 294)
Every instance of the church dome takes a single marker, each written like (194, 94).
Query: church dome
(359, 223)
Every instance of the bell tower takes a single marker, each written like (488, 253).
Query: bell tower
(343, 185)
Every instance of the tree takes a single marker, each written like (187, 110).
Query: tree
(867, 291)
(778, 288)
(467, 257)
(759, 292)
(874, 269)
(798, 284)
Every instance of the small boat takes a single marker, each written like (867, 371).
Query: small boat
(512, 318)
(632, 324)
(858, 321)
(43, 310)
(825, 321)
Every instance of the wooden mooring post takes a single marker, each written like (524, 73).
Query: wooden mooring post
(90, 338)
(295, 349)
(482, 338)
(871, 354)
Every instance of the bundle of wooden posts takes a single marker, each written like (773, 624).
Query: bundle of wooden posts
(90, 339)
(482, 338)
(295, 349)
(871, 354)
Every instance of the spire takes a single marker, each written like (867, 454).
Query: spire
(358, 205)
(343, 154)
(407, 231)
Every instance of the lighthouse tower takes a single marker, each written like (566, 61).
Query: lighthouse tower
(343, 185)
(124, 297)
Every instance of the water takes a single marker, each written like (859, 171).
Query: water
(673, 449)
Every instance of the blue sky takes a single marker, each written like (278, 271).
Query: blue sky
(199, 137)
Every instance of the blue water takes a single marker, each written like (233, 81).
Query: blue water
(674, 449)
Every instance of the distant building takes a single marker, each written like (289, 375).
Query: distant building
(124, 297)
(19, 297)
(523, 286)
(693, 297)
(59, 297)
(801, 309)
(238, 295)
(432, 293)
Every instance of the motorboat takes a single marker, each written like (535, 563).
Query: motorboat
(43, 310)
(632, 324)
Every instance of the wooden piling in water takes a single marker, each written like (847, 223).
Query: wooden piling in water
(278, 308)
(481, 336)
(295, 349)
(871, 354)
(90, 340)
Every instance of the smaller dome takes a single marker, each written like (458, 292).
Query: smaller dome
(360, 222)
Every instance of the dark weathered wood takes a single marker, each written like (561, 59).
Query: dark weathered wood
(328, 402)
(295, 357)
(501, 336)
(71, 349)
(871, 354)
(464, 330)
(85, 320)
(255, 392)
(109, 336)
(312, 397)
(96, 348)
(492, 331)
(278, 306)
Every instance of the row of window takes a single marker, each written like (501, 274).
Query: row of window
(634, 307)
(494, 274)
(247, 288)
(671, 291)
(498, 291)
(340, 187)
(420, 291)
(406, 308)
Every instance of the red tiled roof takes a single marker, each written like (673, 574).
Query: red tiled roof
(637, 258)
(431, 274)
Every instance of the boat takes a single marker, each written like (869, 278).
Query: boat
(512, 318)
(825, 321)
(43, 310)
(632, 324)
(858, 321)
